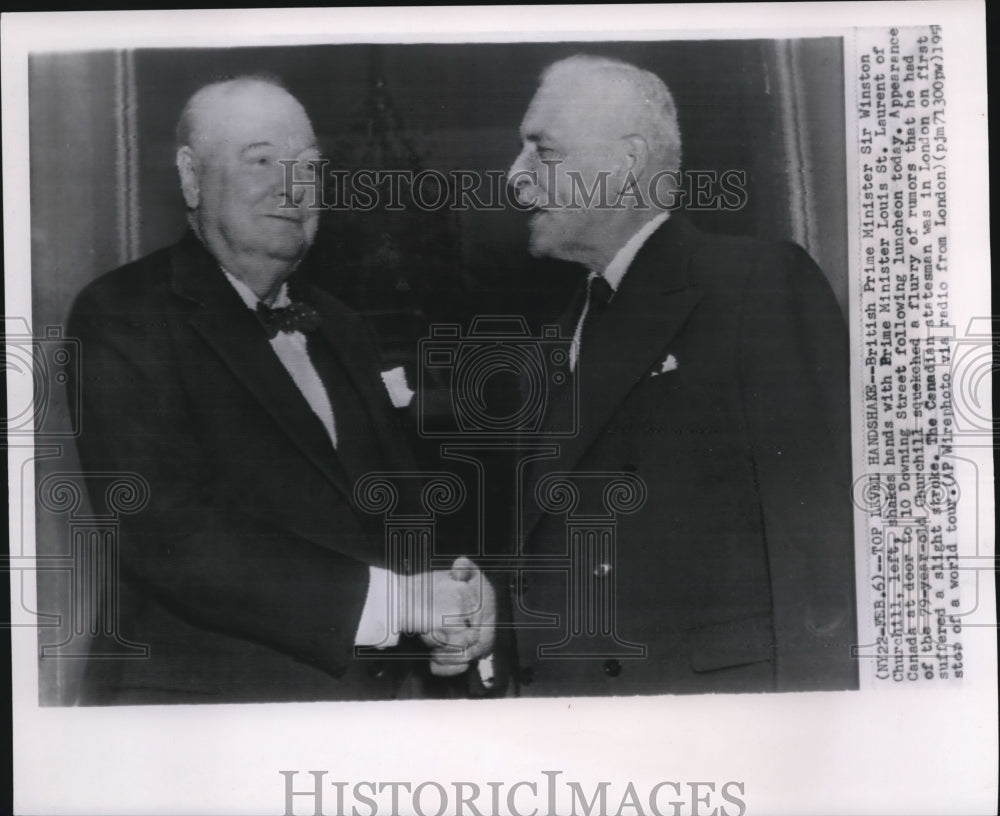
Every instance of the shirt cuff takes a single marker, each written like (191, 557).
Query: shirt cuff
(374, 628)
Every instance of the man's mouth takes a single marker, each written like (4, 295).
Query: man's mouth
(292, 215)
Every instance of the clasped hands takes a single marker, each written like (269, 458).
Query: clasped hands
(453, 611)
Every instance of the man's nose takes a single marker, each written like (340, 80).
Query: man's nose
(521, 178)
(303, 171)
(294, 181)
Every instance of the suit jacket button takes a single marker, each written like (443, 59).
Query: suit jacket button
(612, 668)
(376, 670)
(527, 675)
(602, 570)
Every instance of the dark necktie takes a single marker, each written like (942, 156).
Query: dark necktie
(599, 293)
(600, 296)
(296, 316)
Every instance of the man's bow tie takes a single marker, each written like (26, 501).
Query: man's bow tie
(296, 316)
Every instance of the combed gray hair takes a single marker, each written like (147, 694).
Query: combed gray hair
(186, 123)
(656, 116)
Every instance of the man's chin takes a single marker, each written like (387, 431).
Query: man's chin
(539, 244)
(542, 245)
(288, 251)
(286, 239)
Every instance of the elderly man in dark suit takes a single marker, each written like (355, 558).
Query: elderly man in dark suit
(711, 376)
(251, 403)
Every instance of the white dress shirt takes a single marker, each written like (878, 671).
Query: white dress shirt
(613, 274)
(291, 350)
(373, 629)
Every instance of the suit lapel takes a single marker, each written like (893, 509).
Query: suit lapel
(231, 329)
(355, 352)
(651, 305)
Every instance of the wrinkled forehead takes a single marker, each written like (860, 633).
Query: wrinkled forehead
(589, 103)
(251, 114)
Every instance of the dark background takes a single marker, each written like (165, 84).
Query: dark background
(104, 188)
(770, 108)
(453, 107)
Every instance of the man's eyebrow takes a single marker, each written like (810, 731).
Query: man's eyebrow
(255, 145)
(537, 136)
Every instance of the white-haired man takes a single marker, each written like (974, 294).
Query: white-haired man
(713, 370)
(251, 404)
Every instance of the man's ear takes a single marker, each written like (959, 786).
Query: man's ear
(636, 156)
(187, 168)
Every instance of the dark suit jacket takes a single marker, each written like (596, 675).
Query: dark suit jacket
(247, 571)
(737, 573)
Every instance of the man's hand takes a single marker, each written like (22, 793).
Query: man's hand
(453, 611)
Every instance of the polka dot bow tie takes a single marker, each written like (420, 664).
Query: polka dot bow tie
(296, 316)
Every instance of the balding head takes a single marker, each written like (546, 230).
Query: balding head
(232, 137)
(211, 105)
(619, 99)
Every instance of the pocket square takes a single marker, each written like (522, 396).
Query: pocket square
(669, 364)
(395, 384)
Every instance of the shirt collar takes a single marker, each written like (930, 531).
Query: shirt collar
(615, 271)
(250, 299)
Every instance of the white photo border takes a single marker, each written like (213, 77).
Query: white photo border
(921, 749)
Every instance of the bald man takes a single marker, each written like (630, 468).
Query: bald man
(251, 403)
(712, 377)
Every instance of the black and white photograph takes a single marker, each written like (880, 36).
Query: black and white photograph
(444, 403)
(245, 574)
